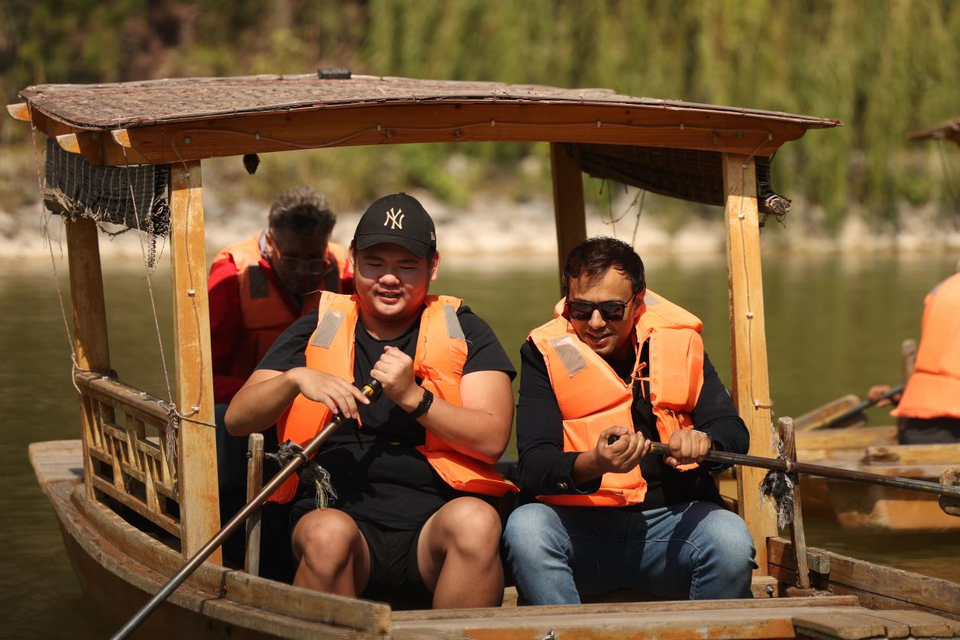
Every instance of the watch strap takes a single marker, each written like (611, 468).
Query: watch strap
(424, 405)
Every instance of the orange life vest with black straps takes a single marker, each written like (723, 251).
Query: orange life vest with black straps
(592, 397)
(933, 390)
(266, 311)
(439, 359)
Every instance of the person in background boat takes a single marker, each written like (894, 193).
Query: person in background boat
(617, 368)
(928, 411)
(257, 288)
(408, 521)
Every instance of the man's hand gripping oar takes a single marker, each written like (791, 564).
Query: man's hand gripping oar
(370, 390)
(789, 466)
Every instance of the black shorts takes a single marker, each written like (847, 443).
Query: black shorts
(928, 430)
(394, 572)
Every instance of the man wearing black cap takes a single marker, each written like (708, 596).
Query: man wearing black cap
(400, 519)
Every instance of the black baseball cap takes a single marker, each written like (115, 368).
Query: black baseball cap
(397, 219)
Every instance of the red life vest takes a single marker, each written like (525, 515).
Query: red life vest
(933, 390)
(266, 311)
(592, 397)
(439, 359)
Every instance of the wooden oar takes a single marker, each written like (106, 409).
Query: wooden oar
(837, 420)
(371, 389)
(804, 468)
(815, 418)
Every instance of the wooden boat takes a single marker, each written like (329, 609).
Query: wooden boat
(137, 493)
(875, 449)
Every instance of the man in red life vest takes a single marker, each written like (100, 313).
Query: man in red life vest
(402, 520)
(257, 288)
(929, 408)
(260, 285)
(618, 367)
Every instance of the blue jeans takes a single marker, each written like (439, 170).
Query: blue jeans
(695, 550)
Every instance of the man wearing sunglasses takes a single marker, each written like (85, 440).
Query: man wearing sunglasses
(617, 368)
(257, 288)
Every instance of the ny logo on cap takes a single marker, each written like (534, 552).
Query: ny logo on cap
(395, 220)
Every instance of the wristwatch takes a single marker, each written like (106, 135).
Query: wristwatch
(424, 405)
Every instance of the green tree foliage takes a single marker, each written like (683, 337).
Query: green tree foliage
(885, 67)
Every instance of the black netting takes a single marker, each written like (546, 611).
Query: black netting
(134, 197)
(689, 174)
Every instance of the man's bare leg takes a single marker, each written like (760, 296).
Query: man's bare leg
(459, 555)
(333, 555)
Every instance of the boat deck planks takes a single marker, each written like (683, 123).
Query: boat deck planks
(56, 461)
(803, 617)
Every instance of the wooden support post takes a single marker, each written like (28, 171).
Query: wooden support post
(567, 198)
(89, 322)
(251, 563)
(797, 537)
(199, 496)
(748, 342)
(908, 358)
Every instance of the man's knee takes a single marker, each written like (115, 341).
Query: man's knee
(532, 527)
(473, 527)
(326, 540)
(730, 541)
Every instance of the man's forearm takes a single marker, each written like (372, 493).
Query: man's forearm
(585, 468)
(259, 404)
(474, 432)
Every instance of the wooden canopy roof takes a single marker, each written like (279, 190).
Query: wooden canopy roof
(163, 121)
(949, 130)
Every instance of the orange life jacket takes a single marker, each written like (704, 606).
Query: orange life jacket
(439, 359)
(933, 390)
(266, 310)
(592, 397)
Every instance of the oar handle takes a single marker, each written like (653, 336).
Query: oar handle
(371, 389)
(835, 421)
(726, 457)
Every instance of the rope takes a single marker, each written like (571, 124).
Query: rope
(641, 196)
(946, 172)
(45, 234)
(757, 404)
(191, 291)
(153, 302)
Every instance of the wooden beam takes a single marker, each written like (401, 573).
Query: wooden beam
(797, 535)
(69, 142)
(90, 340)
(431, 122)
(748, 342)
(19, 111)
(88, 144)
(567, 198)
(199, 498)
(251, 563)
(121, 137)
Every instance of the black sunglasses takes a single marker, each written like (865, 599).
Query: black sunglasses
(610, 310)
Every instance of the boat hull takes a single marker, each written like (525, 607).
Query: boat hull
(119, 567)
(855, 505)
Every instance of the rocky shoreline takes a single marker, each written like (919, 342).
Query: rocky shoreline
(496, 226)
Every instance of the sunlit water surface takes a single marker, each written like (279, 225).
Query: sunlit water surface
(834, 326)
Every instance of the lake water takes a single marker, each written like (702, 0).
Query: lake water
(834, 326)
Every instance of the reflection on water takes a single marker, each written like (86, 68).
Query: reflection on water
(834, 326)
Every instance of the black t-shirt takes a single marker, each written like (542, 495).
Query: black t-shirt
(545, 467)
(375, 469)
